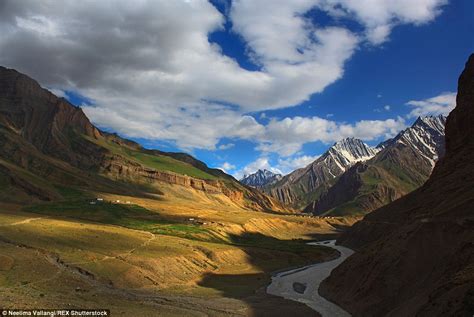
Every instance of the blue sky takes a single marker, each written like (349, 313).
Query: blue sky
(417, 63)
(246, 84)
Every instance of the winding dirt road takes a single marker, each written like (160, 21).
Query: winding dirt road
(302, 284)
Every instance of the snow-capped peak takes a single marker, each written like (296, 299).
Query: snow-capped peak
(349, 151)
(426, 136)
(436, 123)
(260, 178)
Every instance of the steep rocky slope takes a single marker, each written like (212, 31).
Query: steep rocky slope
(304, 185)
(415, 256)
(404, 164)
(46, 144)
(260, 178)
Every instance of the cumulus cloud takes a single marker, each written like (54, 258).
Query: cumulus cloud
(441, 104)
(291, 164)
(150, 71)
(160, 49)
(226, 167)
(286, 137)
(381, 16)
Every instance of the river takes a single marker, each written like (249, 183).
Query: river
(302, 284)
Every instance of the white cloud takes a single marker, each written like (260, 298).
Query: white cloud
(226, 167)
(290, 164)
(286, 137)
(226, 146)
(162, 52)
(380, 16)
(58, 92)
(442, 104)
(384, 108)
(151, 71)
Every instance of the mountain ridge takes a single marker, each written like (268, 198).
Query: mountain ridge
(299, 187)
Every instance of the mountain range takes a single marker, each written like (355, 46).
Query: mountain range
(403, 164)
(303, 185)
(260, 178)
(415, 256)
(354, 178)
(48, 148)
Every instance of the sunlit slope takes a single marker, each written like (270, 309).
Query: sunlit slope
(45, 137)
(133, 259)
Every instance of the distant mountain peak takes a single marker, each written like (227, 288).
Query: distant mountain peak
(294, 187)
(260, 178)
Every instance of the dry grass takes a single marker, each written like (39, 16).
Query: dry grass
(60, 261)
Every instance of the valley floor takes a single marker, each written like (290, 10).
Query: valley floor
(217, 266)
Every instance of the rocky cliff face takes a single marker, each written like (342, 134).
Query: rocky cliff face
(304, 185)
(404, 164)
(41, 118)
(46, 141)
(415, 256)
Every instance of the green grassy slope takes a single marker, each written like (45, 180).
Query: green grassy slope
(158, 162)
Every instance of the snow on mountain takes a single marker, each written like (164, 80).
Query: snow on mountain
(426, 136)
(293, 189)
(260, 178)
(349, 151)
(401, 165)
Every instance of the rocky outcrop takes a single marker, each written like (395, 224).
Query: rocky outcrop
(415, 256)
(41, 118)
(118, 168)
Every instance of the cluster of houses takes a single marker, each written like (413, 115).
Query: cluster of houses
(101, 200)
(199, 222)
